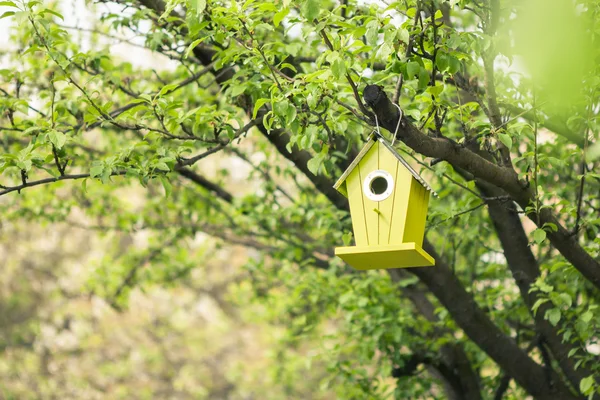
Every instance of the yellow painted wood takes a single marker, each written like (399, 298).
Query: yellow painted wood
(420, 228)
(343, 189)
(384, 257)
(416, 214)
(401, 196)
(368, 164)
(390, 164)
(355, 198)
(388, 233)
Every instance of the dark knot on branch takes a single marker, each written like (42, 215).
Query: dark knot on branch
(387, 113)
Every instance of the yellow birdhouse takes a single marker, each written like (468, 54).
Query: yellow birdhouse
(388, 205)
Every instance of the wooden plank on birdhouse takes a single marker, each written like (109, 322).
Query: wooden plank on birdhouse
(401, 196)
(383, 257)
(353, 185)
(387, 162)
(371, 209)
(417, 213)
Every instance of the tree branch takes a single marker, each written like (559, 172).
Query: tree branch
(481, 330)
(525, 271)
(479, 167)
(9, 189)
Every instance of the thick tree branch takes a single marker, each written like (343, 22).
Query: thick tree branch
(481, 330)
(463, 381)
(479, 167)
(205, 183)
(525, 271)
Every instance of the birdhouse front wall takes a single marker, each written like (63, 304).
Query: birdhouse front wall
(384, 222)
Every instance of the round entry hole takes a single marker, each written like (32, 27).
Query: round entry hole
(379, 185)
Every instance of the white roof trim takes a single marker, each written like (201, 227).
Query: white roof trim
(363, 152)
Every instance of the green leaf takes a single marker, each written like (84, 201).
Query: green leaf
(412, 69)
(167, 89)
(538, 303)
(53, 13)
(338, 68)
(96, 171)
(586, 384)
(167, 185)
(553, 315)
(435, 90)
(162, 166)
(192, 46)
(57, 138)
(314, 164)
(347, 238)
(290, 113)
(7, 14)
(358, 32)
(453, 65)
(280, 107)
(259, 103)
(384, 51)
(279, 16)
(403, 35)
(7, 4)
(423, 78)
(505, 139)
(593, 152)
(236, 90)
(310, 9)
(372, 33)
(544, 287)
(539, 235)
(200, 6)
(565, 299)
(441, 61)
(587, 316)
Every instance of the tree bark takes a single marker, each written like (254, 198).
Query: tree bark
(525, 271)
(502, 177)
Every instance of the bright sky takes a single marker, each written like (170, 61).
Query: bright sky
(80, 15)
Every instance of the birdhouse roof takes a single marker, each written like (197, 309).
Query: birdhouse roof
(402, 161)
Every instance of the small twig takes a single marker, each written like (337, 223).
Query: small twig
(583, 169)
(353, 111)
(433, 110)
(263, 172)
(535, 164)
(264, 57)
(189, 161)
(25, 184)
(195, 159)
(132, 274)
(118, 111)
(349, 79)
(398, 90)
(478, 206)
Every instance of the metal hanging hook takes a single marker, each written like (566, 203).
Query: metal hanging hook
(377, 126)
(398, 125)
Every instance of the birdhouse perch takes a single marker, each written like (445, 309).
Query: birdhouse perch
(388, 205)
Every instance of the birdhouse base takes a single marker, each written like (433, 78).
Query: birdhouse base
(384, 257)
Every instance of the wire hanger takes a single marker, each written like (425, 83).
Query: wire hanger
(378, 131)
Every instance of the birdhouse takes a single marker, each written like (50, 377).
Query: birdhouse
(388, 205)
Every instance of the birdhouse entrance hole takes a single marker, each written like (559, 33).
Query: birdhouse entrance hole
(378, 185)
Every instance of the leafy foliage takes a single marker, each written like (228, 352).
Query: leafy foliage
(241, 139)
